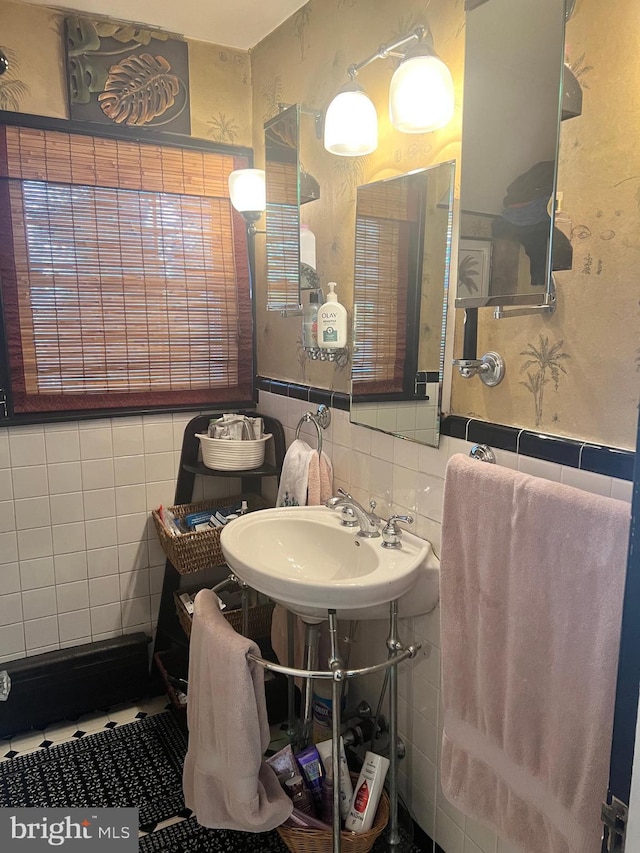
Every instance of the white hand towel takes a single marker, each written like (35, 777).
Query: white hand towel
(294, 479)
(226, 782)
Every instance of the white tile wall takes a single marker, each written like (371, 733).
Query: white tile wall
(78, 559)
(409, 478)
(80, 562)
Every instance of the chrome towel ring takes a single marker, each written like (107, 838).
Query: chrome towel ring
(321, 420)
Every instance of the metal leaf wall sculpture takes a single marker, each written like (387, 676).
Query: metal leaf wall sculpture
(128, 76)
(139, 89)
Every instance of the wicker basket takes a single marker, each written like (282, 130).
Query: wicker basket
(193, 552)
(259, 618)
(321, 841)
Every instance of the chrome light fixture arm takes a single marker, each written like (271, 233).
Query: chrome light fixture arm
(386, 50)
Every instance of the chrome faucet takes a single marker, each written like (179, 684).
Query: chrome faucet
(368, 521)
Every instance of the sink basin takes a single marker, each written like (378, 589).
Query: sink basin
(304, 559)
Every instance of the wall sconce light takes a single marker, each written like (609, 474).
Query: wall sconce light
(248, 195)
(351, 122)
(421, 98)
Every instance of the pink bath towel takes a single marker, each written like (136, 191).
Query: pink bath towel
(226, 782)
(532, 581)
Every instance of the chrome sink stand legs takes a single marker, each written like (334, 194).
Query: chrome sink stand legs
(394, 646)
(292, 729)
(336, 667)
(337, 672)
(311, 639)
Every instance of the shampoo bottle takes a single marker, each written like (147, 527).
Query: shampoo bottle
(332, 322)
(344, 779)
(367, 793)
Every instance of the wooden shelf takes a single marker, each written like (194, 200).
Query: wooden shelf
(264, 470)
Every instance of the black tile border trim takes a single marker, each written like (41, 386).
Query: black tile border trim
(333, 399)
(598, 459)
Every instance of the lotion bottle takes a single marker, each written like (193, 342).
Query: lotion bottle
(332, 322)
(367, 793)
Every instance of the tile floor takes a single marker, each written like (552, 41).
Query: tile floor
(30, 741)
(88, 724)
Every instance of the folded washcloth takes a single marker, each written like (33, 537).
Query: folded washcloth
(320, 479)
(532, 579)
(294, 478)
(226, 782)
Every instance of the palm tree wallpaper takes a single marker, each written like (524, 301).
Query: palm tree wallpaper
(12, 88)
(543, 365)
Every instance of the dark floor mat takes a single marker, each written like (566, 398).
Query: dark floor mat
(137, 764)
(189, 837)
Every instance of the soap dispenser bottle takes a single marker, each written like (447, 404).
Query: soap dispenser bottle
(332, 322)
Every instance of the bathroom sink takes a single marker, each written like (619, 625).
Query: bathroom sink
(304, 559)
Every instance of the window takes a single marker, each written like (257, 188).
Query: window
(282, 236)
(124, 274)
(386, 222)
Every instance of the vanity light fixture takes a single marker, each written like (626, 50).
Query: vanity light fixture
(421, 98)
(248, 195)
(351, 121)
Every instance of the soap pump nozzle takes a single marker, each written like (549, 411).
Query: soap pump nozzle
(332, 296)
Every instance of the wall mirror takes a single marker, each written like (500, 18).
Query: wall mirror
(287, 186)
(513, 82)
(402, 253)
(282, 168)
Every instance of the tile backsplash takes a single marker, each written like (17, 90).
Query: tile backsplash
(80, 561)
(404, 477)
(79, 556)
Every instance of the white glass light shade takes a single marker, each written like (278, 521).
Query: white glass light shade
(351, 124)
(421, 95)
(247, 190)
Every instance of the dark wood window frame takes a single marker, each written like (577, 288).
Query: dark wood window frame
(205, 399)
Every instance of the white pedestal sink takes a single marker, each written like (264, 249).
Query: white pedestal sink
(304, 559)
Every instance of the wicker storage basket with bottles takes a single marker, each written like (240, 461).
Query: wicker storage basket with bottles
(193, 552)
(300, 840)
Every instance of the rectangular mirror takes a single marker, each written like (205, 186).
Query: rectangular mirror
(402, 254)
(514, 59)
(282, 184)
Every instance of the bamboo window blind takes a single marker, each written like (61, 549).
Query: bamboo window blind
(384, 215)
(125, 278)
(283, 236)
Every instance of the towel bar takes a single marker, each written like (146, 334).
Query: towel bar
(483, 453)
(320, 420)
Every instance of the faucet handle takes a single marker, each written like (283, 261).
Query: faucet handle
(407, 519)
(391, 533)
(348, 517)
(372, 512)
